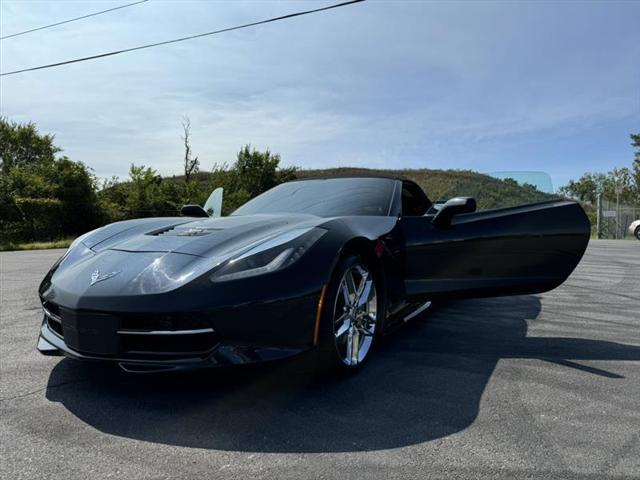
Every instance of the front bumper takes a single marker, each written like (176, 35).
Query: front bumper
(138, 343)
(222, 355)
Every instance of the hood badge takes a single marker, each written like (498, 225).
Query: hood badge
(96, 277)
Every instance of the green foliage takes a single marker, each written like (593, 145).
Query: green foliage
(75, 185)
(252, 173)
(623, 181)
(635, 142)
(22, 145)
(146, 194)
(8, 209)
(41, 218)
(10, 246)
(41, 196)
(257, 172)
(45, 197)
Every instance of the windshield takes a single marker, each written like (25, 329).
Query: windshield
(333, 197)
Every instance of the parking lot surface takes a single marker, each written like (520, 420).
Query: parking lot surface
(539, 386)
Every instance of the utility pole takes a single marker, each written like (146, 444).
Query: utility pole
(598, 213)
(618, 192)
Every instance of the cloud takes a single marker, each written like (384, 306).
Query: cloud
(383, 84)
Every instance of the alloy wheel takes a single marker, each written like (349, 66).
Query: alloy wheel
(355, 315)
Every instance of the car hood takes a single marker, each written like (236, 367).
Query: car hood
(154, 256)
(211, 237)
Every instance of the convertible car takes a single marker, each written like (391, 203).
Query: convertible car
(326, 265)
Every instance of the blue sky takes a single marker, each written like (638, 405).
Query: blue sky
(488, 86)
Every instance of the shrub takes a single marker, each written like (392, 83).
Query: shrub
(40, 218)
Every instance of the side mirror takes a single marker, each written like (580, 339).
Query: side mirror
(193, 211)
(451, 208)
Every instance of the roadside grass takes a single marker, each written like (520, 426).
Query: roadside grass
(7, 247)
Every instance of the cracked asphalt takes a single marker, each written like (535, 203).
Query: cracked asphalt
(532, 387)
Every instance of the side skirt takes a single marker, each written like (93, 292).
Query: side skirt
(404, 314)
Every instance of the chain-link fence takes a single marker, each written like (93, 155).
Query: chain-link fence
(615, 218)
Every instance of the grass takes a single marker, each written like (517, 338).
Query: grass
(64, 243)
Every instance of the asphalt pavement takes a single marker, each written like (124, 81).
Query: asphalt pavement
(538, 386)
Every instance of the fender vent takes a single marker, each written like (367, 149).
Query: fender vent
(161, 231)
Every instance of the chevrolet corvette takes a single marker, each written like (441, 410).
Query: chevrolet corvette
(322, 265)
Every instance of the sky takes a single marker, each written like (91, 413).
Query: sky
(488, 86)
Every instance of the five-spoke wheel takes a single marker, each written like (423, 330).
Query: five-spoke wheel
(352, 315)
(355, 315)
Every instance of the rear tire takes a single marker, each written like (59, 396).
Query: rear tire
(637, 233)
(351, 317)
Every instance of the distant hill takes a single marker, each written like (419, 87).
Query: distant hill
(488, 191)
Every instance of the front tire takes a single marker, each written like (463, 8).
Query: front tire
(351, 318)
(637, 232)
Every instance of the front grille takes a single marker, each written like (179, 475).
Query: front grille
(162, 322)
(55, 326)
(196, 342)
(167, 335)
(52, 308)
(52, 316)
(131, 336)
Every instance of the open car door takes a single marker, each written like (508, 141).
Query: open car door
(213, 205)
(456, 252)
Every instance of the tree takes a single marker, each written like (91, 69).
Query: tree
(75, 185)
(635, 142)
(42, 196)
(191, 165)
(257, 172)
(22, 145)
(586, 188)
(623, 180)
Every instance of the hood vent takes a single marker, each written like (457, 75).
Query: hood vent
(161, 231)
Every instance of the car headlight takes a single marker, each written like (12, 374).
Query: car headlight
(273, 254)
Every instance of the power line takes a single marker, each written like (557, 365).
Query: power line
(73, 19)
(176, 40)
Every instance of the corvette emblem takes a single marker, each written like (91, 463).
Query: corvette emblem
(96, 277)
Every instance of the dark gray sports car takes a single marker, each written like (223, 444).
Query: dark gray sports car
(323, 264)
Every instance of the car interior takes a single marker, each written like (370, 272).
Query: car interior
(414, 201)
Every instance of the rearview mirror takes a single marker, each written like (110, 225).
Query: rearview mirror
(451, 208)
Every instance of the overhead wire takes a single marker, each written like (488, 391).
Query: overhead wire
(73, 19)
(182, 39)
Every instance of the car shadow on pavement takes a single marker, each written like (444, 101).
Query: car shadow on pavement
(424, 382)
